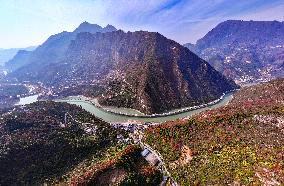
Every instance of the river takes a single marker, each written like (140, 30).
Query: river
(112, 117)
(27, 100)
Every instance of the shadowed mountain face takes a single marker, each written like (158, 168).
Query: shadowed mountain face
(54, 48)
(245, 51)
(141, 70)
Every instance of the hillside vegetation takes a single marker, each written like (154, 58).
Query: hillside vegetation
(241, 143)
(37, 147)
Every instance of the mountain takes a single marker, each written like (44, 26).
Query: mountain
(93, 28)
(141, 70)
(7, 54)
(18, 60)
(41, 145)
(190, 46)
(246, 51)
(54, 48)
(238, 144)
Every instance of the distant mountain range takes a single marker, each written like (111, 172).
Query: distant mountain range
(7, 54)
(54, 48)
(245, 51)
(141, 70)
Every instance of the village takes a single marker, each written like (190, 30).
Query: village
(136, 130)
(152, 156)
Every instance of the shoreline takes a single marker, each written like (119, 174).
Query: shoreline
(26, 100)
(170, 113)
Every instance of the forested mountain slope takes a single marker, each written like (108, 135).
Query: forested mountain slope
(241, 143)
(38, 147)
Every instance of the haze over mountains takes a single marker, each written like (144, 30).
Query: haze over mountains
(7, 54)
(245, 51)
(141, 70)
(53, 49)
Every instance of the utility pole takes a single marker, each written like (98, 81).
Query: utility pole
(65, 118)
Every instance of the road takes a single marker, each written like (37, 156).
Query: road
(162, 163)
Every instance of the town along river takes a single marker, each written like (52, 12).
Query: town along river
(113, 117)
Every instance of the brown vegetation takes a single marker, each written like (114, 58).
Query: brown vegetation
(233, 144)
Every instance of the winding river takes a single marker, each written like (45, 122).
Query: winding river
(112, 117)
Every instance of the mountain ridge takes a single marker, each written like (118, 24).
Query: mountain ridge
(141, 70)
(246, 51)
(54, 47)
(9, 53)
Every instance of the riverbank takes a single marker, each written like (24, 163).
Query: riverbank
(112, 117)
(142, 115)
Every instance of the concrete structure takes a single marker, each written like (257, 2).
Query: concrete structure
(145, 152)
(152, 159)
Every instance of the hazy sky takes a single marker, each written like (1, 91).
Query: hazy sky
(30, 22)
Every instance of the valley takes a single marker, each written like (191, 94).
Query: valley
(126, 115)
(97, 105)
(255, 100)
(111, 66)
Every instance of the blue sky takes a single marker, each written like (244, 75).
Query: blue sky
(30, 22)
